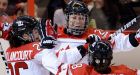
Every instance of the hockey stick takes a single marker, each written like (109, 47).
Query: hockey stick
(127, 25)
(46, 29)
(4, 58)
(48, 34)
(42, 27)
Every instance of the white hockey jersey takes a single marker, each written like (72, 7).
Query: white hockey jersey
(121, 42)
(25, 60)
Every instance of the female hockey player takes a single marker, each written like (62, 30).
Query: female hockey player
(99, 59)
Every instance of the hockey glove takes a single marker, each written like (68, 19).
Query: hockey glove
(92, 38)
(4, 30)
(48, 42)
(137, 36)
(134, 38)
(83, 49)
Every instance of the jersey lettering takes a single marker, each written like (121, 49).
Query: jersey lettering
(19, 55)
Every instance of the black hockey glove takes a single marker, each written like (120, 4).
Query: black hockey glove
(92, 38)
(48, 42)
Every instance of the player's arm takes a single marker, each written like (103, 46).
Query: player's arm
(120, 42)
(138, 72)
(124, 42)
(53, 64)
(50, 61)
(72, 55)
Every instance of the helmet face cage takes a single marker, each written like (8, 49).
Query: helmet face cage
(78, 8)
(100, 56)
(24, 25)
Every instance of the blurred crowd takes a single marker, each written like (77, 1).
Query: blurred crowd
(104, 14)
(15, 8)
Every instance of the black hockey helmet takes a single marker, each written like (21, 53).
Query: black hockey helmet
(100, 56)
(20, 26)
(76, 7)
(24, 24)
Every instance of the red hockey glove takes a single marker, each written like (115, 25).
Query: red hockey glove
(4, 30)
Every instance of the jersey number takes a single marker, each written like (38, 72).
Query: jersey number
(76, 66)
(16, 67)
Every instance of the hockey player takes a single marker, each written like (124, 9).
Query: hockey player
(24, 55)
(99, 59)
(76, 31)
(23, 51)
